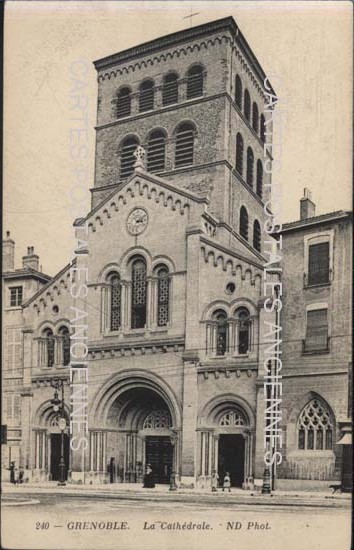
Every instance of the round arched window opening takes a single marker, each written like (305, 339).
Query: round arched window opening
(55, 310)
(230, 288)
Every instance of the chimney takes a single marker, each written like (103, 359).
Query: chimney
(307, 207)
(8, 253)
(31, 260)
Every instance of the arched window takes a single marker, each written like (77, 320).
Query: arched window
(146, 96)
(243, 318)
(49, 347)
(239, 154)
(156, 151)
(315, 427)
(244, 223)
(255, 117)
(247, 105)
(184, 145)
(124, 102)
(139, 285)
(127, 158)
(195, 82)
(238, 91)
(259, 178)
(163, 296)
(221, 332)
(170, 89)
(250, 162)
(65, 345)
(257, 236)
(263, 128)
(115, 299)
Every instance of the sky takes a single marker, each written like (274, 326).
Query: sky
(305, 47)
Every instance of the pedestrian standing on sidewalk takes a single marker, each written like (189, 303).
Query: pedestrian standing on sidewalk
(227, 482)
(12, 472)
(214, 481)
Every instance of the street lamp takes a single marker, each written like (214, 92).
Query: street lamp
(58, 405)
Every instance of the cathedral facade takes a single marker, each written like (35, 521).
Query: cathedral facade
(173, 257)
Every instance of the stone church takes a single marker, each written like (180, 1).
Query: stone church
(175, 266)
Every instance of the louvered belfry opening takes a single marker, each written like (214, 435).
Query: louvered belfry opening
(156, 151)
(195, 82)
(184, 145)
(146, 96)
(259, 189)
(170, 89)
(238, 91)
(124, 103)
(244, 223)
(127, 158)
(239, 154)
(139, 287)
(257, 236)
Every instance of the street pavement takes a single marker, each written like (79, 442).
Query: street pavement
(132, 519)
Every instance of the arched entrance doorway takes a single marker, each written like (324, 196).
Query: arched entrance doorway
(226, 440)
(139, 426)
(47, 444)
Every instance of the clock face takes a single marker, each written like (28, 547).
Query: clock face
(137, 221)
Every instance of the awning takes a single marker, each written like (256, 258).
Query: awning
(345, 440)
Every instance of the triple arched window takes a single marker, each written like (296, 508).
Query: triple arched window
(195, 82)
(124, 102)
(146, 96)
(315, 427)
(227, 335)
(54, 349)
(143, 295)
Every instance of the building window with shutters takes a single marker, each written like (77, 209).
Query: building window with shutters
(12, 409)
(16, 296)
(239, 154)
(163, 296)
(184, 152)
(14, 349)
(124, 102)
(317, 339)
(127, 158)
(315, 427)
(247, 105)
(146, 96)
(195, 82)
(170, 89)
(244, 223)
(139, 292)
(238, 92)
(156, 147)
(318, 267)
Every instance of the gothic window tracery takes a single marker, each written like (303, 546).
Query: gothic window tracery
(315, 427)
(232, 419)
(157, 420)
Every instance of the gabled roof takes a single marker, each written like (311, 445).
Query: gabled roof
(49, 283)
(316, 220)
(147, 177)
(26, 272)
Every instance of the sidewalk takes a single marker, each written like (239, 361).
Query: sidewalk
(133, 491)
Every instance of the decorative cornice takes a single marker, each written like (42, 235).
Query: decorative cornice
(60, 278)
(234, 37)
(231, 253)
(140, 347)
